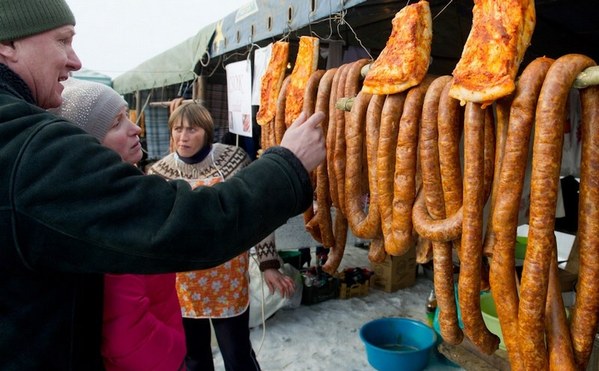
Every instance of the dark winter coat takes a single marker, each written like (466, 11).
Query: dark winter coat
(70, 209)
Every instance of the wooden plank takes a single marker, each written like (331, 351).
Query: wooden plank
(467, 356)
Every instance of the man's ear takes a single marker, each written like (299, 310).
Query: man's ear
(8, 51)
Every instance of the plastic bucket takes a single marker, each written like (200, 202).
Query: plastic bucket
(398, 344)
(487, 307)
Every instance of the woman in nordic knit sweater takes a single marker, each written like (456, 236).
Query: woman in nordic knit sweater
(142, 328)
(221, 294)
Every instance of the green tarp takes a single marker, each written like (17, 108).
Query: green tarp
(90, 75)
(172, 66)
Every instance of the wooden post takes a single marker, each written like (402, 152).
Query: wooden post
(199, 88)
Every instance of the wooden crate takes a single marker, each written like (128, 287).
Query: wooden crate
(355, 290)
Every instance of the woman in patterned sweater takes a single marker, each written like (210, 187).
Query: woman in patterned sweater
(219, 295)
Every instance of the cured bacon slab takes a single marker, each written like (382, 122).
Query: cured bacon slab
(271, 82)
(500, 34)
(405, 59)
(306, 63)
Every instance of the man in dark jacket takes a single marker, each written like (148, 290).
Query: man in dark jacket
(71, 210)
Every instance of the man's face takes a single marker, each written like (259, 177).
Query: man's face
(43, 61)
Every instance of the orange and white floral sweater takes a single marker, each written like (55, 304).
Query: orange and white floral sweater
(222, 291)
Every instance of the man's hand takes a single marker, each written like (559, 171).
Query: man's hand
(306, 140)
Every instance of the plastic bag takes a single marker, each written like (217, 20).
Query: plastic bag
(262, 301)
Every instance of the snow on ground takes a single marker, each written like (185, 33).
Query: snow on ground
(325, 336)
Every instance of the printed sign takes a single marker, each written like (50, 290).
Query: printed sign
(239, 97)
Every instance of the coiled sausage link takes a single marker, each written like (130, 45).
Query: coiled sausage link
(390, 116)
(279, 124)
(331, 137)
(559, 343)
(311, 92)
(488, 174)
(442, 230)
(509, 186)
(323, 196)
(547, 150)
(428, 149)
(310, 97)
(469, 283)
(355, 134)
(450, 125)
(339, 155)
(404, 175)
(433, 195)
(586, 311)
(376, 253)
(503, 115)
(336, 252)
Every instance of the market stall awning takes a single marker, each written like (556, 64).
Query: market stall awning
(172, 66)
(562, 27)
(264, 19)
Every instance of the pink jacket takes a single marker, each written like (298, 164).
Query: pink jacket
(143, 329)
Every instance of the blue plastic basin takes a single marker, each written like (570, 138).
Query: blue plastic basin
(398, 344)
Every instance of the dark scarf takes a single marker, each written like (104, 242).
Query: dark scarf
(13, 83)
(199, 156)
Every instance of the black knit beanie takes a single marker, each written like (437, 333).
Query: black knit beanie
(22, 18)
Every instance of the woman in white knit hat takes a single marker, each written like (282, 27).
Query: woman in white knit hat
(102, 112)
(142, 327)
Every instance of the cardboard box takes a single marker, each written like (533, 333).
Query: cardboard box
(396, 272)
